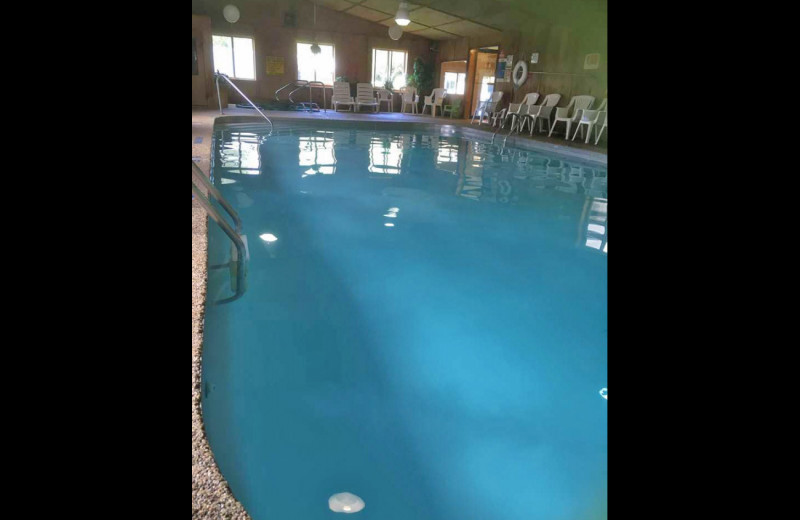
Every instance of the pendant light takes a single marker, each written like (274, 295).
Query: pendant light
(314, 47)
(231, 13)
(402, 14)
(395, 32)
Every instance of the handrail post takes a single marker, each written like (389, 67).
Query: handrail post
(217, 195)
(226, 78)
(219, 98)
(235, 238)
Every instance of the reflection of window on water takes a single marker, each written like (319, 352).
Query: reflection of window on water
(597, 225)
(385, 156)
(447, 156)
(239, 153)
(317, 153)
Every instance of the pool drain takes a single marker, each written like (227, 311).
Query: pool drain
(345, 503)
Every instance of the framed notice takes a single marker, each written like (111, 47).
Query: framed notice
(275, 66)
(592, 61)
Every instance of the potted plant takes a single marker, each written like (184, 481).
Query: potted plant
(421, 78)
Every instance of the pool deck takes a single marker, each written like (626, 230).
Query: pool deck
(211, 496)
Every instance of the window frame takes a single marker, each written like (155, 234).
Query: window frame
(233, 55)
(389, 62)
(463, 84)
(307, 42)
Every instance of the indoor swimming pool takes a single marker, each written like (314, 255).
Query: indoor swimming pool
(424, 326)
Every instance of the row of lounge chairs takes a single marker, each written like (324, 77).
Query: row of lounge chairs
(365, 97)
(578, 114)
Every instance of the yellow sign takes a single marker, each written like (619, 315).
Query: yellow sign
(274, 66)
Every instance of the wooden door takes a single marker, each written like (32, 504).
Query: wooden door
(199, 94)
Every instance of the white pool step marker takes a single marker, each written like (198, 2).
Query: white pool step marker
(345, 503)
(604, 393)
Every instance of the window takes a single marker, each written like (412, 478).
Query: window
(315, 67)
(454, 82)
(389, 65)
(235, 57)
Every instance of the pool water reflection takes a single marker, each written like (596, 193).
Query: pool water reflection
(424, 327)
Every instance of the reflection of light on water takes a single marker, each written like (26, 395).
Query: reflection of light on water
(239, 153)
(597, 225)
(604, 393)
(317, 151)
(268, 237)
(389, 224)
(345, 503)
(385, 155)
(227, 181)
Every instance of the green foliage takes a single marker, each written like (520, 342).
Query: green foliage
(343, 79)
(388, 85)
(422, 77)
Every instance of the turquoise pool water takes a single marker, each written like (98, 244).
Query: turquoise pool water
(424, 326)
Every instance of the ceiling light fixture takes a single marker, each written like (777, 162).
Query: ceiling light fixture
(231, 13)
(315, 49)
(402, 14)
(395, 32)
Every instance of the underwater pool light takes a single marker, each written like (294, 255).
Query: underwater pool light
(268, 237)
(345, 503)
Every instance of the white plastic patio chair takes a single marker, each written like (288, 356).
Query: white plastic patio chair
(436, 99)
(341, 95)
(589, 118)
(605, 125)
(577, 105)
(515, 109)
(386, 96)
(539, 113)
(410, 97)
(488, 109)
(365, 96)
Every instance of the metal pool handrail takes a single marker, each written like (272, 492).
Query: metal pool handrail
(301, 83)
(217, 195)
(241, 250)
(226, 78)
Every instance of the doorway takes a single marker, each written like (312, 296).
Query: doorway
(480, 76)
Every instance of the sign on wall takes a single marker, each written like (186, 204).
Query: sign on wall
(500, 71)
(275, 66)
(592, 61)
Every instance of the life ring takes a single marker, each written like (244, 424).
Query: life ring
(519, 79)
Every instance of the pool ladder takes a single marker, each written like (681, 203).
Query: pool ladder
(310, 85)
(239, 252)
(499, 127)
(218, 76)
